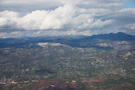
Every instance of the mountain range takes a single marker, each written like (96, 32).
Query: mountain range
(118, 41)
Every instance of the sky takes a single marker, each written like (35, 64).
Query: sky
(32, 18)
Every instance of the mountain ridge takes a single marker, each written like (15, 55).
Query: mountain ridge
(113, 36)
(101, 41)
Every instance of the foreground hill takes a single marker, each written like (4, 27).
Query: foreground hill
(66, 68)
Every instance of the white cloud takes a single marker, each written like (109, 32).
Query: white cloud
(8, 18)
(68, 16)
(100, 24)
(39, 19)
(83, 21)
(130, 26)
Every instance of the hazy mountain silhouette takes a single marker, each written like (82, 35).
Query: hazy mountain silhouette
(82, 41)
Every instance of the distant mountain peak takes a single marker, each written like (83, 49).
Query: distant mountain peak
(120, 36)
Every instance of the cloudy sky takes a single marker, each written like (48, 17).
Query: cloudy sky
(30, 18)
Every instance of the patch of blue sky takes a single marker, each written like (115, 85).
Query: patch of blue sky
(129, 4)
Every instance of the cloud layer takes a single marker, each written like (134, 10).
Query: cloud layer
(80, 17)
(66, 17)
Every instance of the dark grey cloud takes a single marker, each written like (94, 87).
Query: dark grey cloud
(30, 5)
